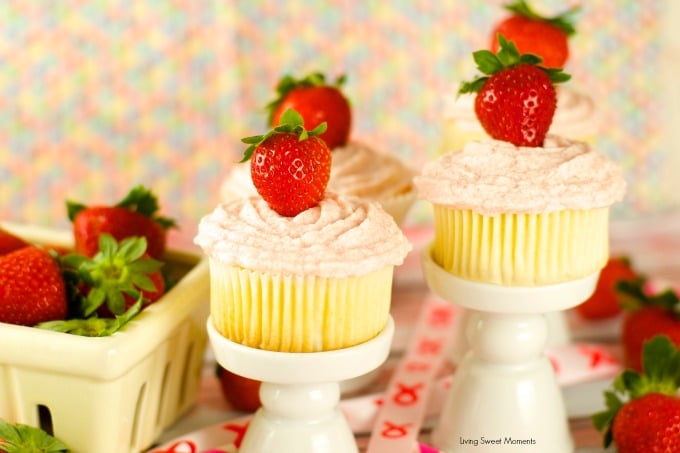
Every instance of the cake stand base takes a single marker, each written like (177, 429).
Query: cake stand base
(300, 392)
(504, 396)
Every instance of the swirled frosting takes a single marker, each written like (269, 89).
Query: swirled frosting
(575, 116)
(360, 170)
(342, 236)
(493, 177)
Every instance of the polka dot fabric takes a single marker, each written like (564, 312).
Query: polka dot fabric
(97, 96)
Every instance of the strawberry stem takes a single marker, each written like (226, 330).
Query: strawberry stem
(563, 21)
(507, 56)
(117, 269)
(291, 123)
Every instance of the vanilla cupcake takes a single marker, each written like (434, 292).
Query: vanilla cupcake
(356, 170)
(521, 216)
(576, 117)
(318, 281)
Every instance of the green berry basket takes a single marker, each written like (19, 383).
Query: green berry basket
(109, 394)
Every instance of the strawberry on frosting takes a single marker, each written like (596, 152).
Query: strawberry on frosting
(516, 99)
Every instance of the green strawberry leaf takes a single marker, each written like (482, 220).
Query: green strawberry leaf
(93, 326)
(291, 123)
(632, 296)
(139, 199)
(118, 269)
(507, 56)
(602, 421)
(20, 438)
(563, 21)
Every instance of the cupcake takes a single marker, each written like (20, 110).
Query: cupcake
(357, 168)
(576, 116)
(523, 208)
(521, 216)
(297, 268)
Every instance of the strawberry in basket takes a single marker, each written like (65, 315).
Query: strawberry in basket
(32, 289)
(10, 242)
(135, 215)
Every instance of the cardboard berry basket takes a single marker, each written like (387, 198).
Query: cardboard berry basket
(109, 394)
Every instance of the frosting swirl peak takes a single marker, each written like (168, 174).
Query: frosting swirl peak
(493, 177)
(340, 237)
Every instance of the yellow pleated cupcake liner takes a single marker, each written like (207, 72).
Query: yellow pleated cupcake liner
(297, 313)
(521, 249)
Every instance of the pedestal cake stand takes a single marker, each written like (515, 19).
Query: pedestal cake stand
(504, 396)
(300, 392)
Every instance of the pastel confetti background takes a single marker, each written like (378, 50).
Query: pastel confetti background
(97, 96)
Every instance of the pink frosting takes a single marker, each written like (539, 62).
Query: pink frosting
(341, 237)
(494, 177)
(362, 171)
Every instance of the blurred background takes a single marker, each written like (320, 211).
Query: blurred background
(99, 95)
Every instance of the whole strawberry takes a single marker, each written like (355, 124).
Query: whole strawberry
(645, 317)
(290, 166)
(546, 37)
(10, 242)
(516, 100)
(317, 101)
(32, 289)
(135, 215)
(242, 393)
(604, 302)
(647, 419)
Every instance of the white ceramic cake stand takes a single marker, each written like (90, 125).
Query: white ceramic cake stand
(504, 396)
(300, 392)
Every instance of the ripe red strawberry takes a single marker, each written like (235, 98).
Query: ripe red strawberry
(648, 418)
(10, 242)
(645, 317)
(604, 303)
(516, 99)
(242, 393)
(546, 37)
(32, 289)
(134, 215)
(317, 102)
(290, 166)
(119, 274)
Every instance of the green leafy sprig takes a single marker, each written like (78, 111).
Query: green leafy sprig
(507, 56)
(20, 438)
(291, 123)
